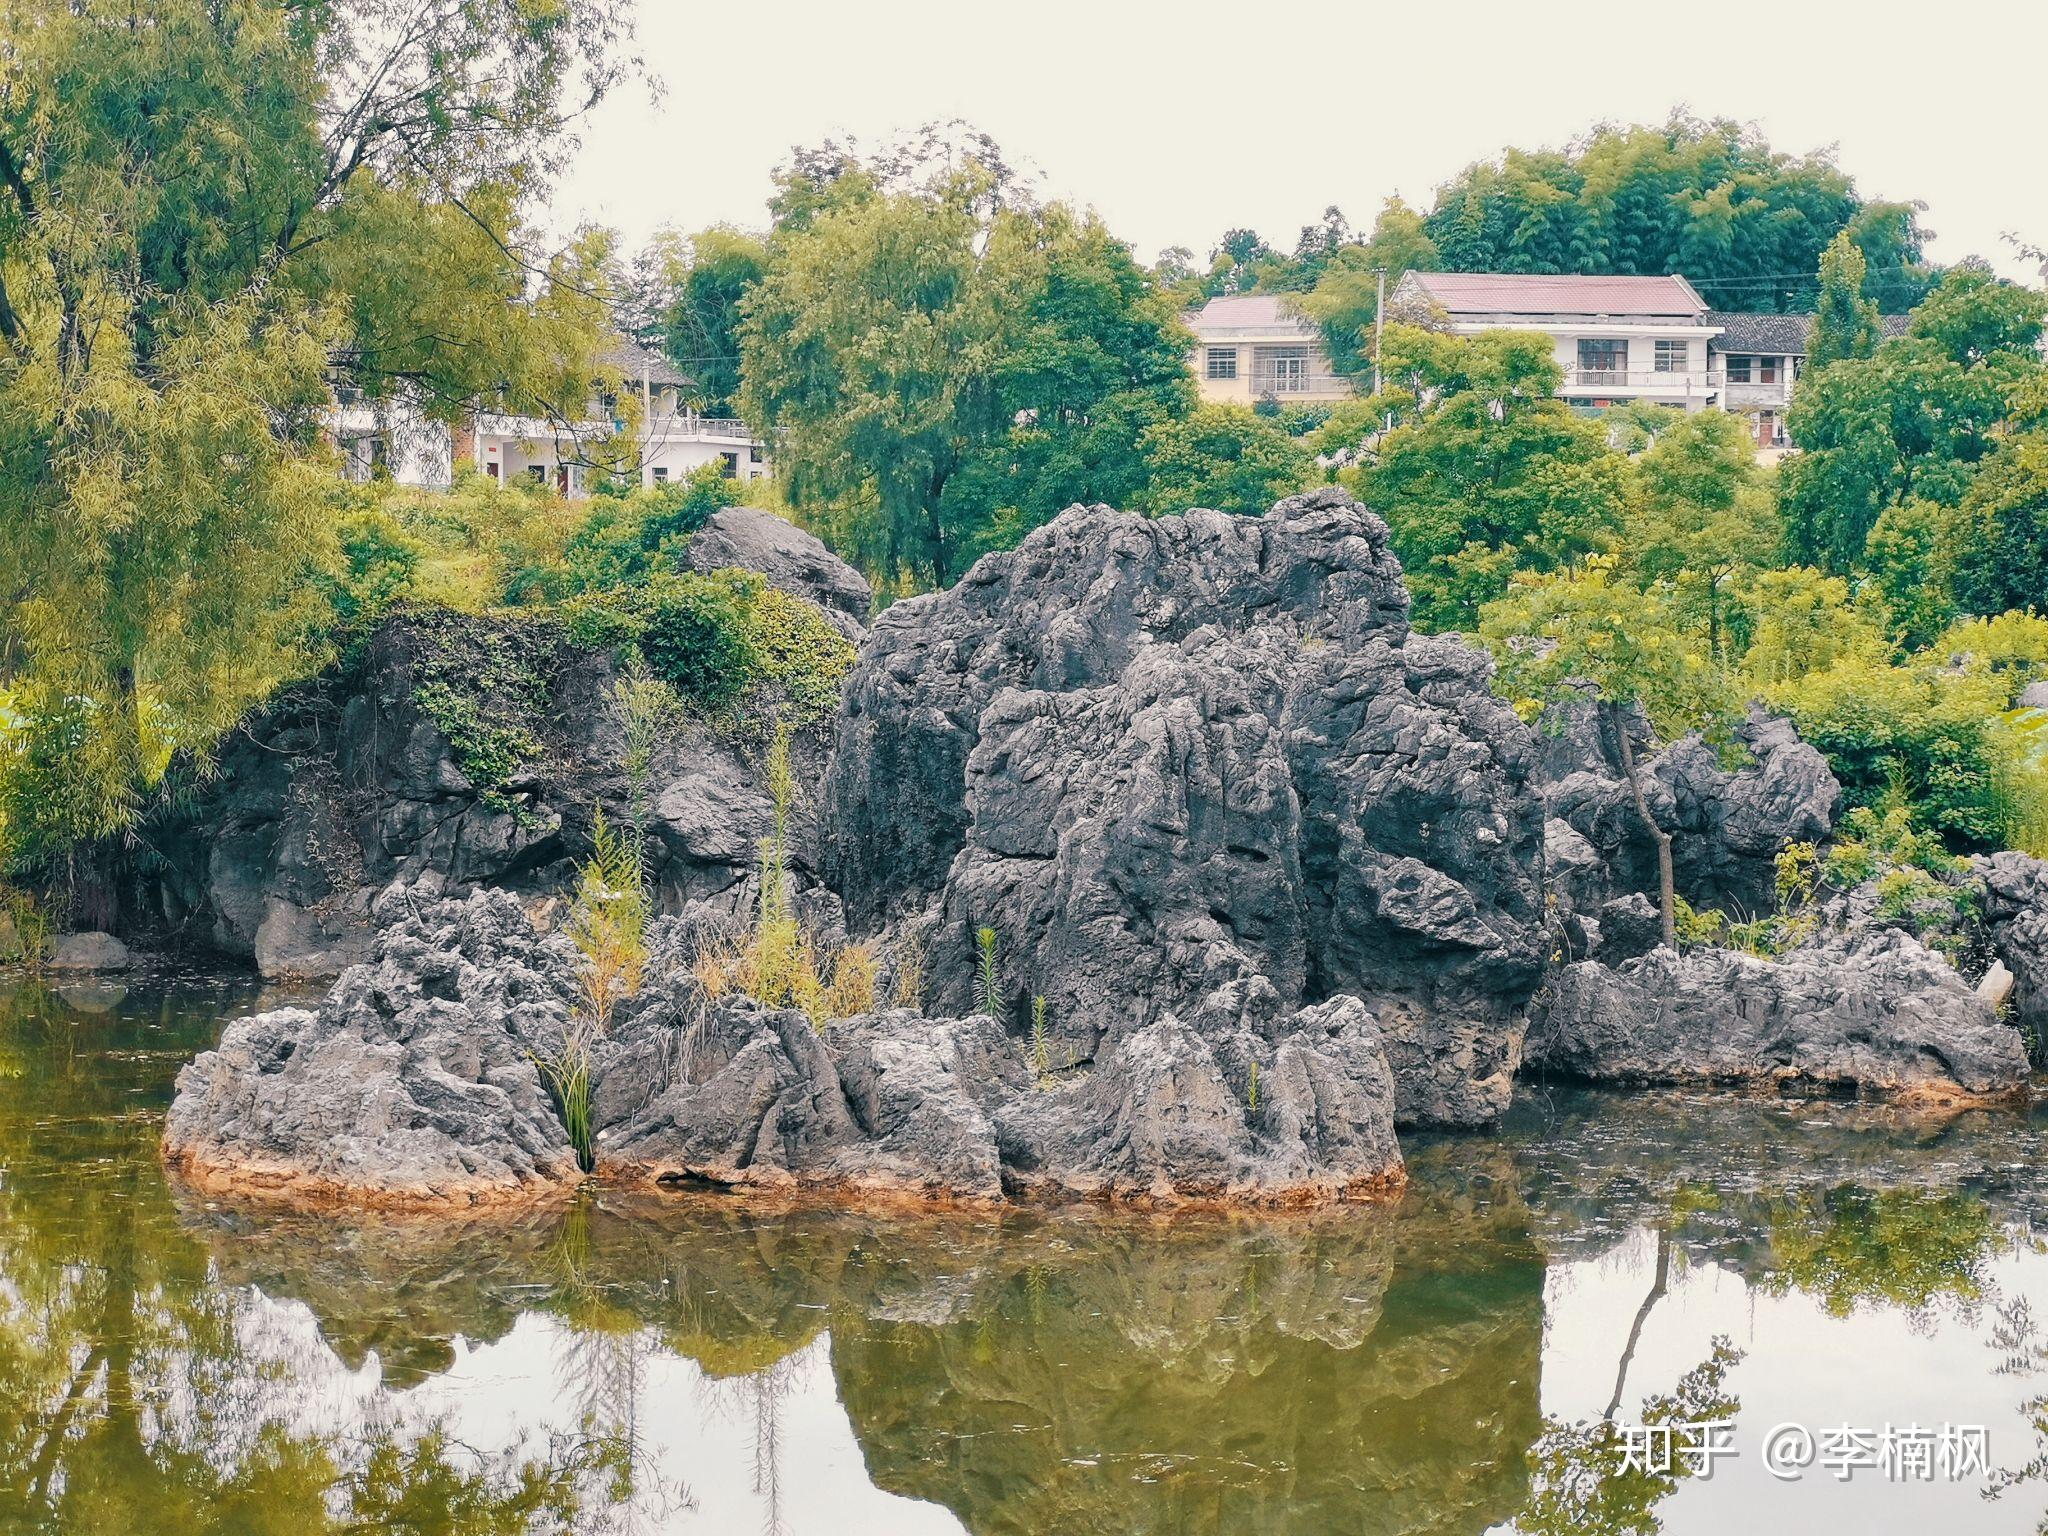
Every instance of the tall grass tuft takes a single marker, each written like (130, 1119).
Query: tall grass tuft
(776, 962)
(1039, 1060)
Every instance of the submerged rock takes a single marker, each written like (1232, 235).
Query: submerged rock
(415, 1083)
(1160, 757)
(89, 952)
(1873, 1011)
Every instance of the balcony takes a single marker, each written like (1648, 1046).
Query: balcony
(1642, 381)
(1298, 383)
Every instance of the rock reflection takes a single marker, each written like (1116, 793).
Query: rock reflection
(168, 1362)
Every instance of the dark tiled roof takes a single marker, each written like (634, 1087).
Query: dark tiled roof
(635, 362)
(1784, 335)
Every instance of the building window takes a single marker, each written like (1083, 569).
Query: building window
(661, 474)
(1737, 366)
(537, 473)
(731, 461)
(1605, 360)
(1280, 370)
(756, 454)
(1221, 362)
(1674, 356)
(1768, 369)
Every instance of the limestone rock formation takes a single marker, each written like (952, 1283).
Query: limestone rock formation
(1727, 826)
(2015, 929)
(790, 558)
(1161, 757)
(414, 1083)
(347, 787)
(1873, 1011)
(418, 1083)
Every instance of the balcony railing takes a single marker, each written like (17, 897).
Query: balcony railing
(1283, 382)
(1641, 379)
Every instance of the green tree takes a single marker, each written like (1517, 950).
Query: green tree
(1997, 540)
(1562, 636)
(1345, 298)
(1911, 421)
(1223, 456)
(1488, 472)
(1710, 199)
(1845, 324)
(1702, 515)
(941, 370)
(699, 283)
(207, 209)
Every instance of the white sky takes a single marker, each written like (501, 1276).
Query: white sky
(1177, 121)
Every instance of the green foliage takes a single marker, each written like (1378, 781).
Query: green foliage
(1997, 545)
(485, 686)
(1488, 473)
(1040, 1061)
(1845, 323)
(1555, 636)
(938, 363)
(205, 210)
(25, 928)
(727, 641)
(988, 983)
(1710, 199)
(1223, 456)
(694, 633)
(1913, 419)
(1935, 737)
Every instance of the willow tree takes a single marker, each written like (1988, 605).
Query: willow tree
(210, 212)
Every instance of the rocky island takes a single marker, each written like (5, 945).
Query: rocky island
(1185, 872)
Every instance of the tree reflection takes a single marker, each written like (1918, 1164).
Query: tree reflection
(1583, 1485)
(130, 1399)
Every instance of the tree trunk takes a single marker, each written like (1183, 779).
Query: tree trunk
(1658, 1286)
(1667, 891)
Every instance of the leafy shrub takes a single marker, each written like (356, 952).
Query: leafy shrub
(484, 687)
(1935, 732)
(695, 634)
(380, 565)
(797, 652)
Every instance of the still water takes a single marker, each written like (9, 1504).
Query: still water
(1448, 1365)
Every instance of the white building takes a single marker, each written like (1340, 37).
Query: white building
(1622, 339)
(1618, 339)
(1257, 346)
(669, 441)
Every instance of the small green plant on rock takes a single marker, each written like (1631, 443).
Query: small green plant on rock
(1039, 1060)
(988, 984)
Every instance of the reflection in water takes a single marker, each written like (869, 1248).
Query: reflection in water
(1458, 1364)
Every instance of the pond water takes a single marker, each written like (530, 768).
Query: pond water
(1449, 1364)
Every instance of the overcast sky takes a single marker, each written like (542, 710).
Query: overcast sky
(1177, 121)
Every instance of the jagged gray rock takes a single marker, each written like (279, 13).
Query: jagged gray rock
(1874, 1011)
(1175, 1112)
(1165, 756)
(2015, 928)
(1727, 827)
(417, 1083)
(414, 1084)
(790, 558)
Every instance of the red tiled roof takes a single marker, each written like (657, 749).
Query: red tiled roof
(1246, 310)
(1541, 293)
